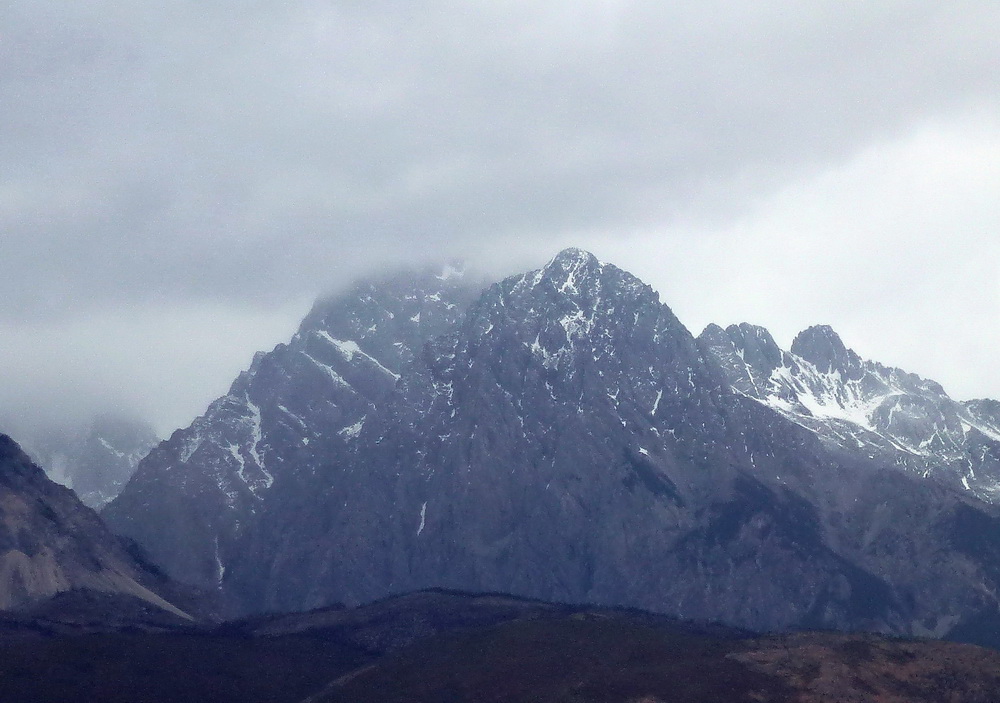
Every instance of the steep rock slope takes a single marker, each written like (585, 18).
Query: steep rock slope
(50, 542)
(197, 492)
(878, 412)
(570, 440)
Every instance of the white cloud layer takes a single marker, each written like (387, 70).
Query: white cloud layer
(781, 162)
(896, 247)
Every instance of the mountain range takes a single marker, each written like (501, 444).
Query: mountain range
(561, 435)
(95, 459)
(881, 413)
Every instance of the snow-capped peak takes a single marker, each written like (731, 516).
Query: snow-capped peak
(824, 349)
(860, 405)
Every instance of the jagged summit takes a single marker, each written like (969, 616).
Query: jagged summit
(748, 353)
(823, 348)
(571, 272)
(562, 435)
(573, 257)
(758, 343)
(864, 407)
(985, 407)
(575, 279)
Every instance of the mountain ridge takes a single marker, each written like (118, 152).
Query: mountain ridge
(565, 437)
(195, 493)
(882, 412)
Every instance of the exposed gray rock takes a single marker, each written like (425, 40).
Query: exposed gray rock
(196, 493)
(51, 543)
(571, 441)
(568, 439)
(877, 412)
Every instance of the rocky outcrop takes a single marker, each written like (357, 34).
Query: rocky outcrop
(51, 543)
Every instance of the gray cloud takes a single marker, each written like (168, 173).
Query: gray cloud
(255, 153)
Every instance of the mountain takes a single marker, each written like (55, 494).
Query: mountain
(880, 413)
(51, 543)
(196, 493)
(565, 437)
(570, 440)
(95, 460)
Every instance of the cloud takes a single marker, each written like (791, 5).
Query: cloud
(895, 247)
(163, 363)
(173, 150)
(248, 155)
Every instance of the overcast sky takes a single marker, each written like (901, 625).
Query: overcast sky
(179, 180)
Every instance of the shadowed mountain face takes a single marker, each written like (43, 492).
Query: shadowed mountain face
(562, 437)
(51, 543)
(195, 495)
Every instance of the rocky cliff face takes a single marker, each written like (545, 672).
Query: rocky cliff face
(50, 542)
(193, 497)
(567, 438)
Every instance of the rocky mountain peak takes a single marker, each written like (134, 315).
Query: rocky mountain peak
(565, 437)
(986, 407)
(748, 355)
(577, 280)
(823, 348)
(572, 275)
(577, 311)
(572, 258)
(865, 407)
(757, 343)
